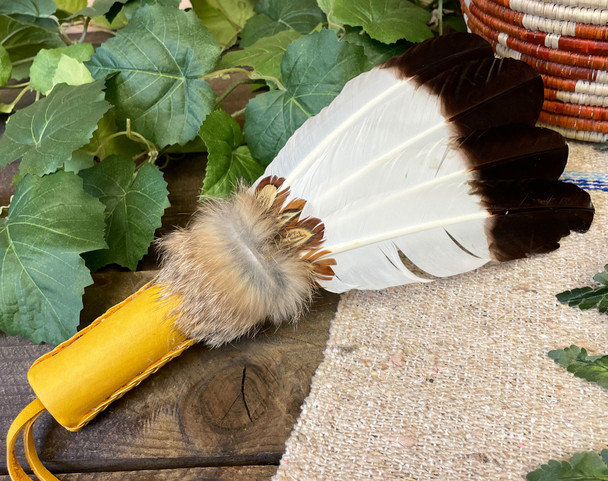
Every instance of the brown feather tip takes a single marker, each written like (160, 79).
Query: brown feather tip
(241, 261)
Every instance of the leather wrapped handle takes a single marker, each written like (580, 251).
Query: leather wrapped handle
(83, 375)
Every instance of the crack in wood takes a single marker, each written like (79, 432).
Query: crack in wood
(243, 393)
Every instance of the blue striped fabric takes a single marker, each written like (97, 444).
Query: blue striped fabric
(587, 180)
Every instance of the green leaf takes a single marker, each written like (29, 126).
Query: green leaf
(159, 57)
(79, 161)
(274, 16)
(225, 19)
(576, 361)
(327, 7)
(588, 297)
(264, 56)
(61, 65)
(23, 40)
(314, 70)
(5, 66)
(133, 5)
(106, 142)
(71, 6)
(134, 202)
(48, 131)
(228, 161)
(386, 21)
(99, 8)
(587, 466)
(376, 52)
(50, 222)
(35, 8)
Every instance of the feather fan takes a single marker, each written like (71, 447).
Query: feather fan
(424, 167)
(427, 166)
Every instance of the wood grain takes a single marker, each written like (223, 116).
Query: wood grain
(238, 473)
(232, 406)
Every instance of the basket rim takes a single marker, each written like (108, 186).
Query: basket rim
(559, 12)
(583, 48)
(541, 24)
(499, 31)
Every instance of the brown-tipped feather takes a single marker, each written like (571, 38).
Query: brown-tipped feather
(428, 59)
(232, 271)
(477, 90)
(489, 93)
(531, 216)
(515, 152)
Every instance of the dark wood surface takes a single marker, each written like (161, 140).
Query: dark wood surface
(229, 407)
(249, 473)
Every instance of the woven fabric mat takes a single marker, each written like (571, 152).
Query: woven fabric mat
(451, 380)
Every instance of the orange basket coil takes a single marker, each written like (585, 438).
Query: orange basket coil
(567, 42)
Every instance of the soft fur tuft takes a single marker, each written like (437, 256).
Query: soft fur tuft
(232, 272)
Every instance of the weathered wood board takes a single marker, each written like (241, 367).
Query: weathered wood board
(238, 473)
(232, 406)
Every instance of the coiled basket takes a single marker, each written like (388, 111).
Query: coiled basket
(567, 42)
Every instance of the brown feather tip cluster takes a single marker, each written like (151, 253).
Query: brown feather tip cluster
(241, 261)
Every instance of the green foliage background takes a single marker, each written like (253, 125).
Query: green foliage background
(90, 192)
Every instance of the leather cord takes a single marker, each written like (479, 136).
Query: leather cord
(24, 422)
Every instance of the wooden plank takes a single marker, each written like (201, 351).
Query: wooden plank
(231, 406)
(237, 473)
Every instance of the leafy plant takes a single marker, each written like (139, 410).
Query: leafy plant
(587, 466)
(578, 362)
(88, 186)
(588, 297)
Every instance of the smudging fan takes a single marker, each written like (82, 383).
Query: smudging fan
(425, 167)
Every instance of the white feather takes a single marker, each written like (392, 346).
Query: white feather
(383, 150)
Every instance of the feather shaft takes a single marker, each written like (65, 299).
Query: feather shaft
(401, 195)
(384, 236)
(311, 158)
(383, 158)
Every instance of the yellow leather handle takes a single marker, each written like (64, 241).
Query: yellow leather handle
(80, 377)
(24, 422)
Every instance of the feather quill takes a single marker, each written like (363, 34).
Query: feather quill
(427, 166)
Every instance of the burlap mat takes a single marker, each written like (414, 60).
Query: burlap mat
(450, 380)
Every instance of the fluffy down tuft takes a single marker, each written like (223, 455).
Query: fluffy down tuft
(232, 271)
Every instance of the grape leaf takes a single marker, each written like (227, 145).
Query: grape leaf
(133, 5)
(314, 70)
(105, 142)
(50, 222)
(159, 57)
(264, 56)
(47, 132)
(274, 16)
(71, 6)
(587, 466)
(228, 161)
(375, 52)
(79, 161)
(35, 8)
(225, 19)
(134, 202)
(576, 361)
(5, 66)
(22, 40)
(588, 297)
(99, 8)
(386, 21)
(61, 65)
